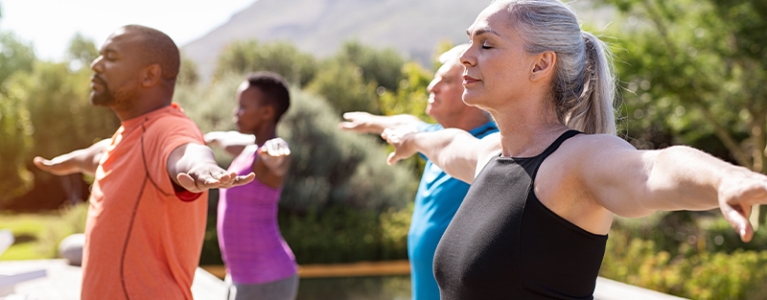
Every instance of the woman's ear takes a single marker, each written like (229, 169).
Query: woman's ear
(544, 65)
(267, 112)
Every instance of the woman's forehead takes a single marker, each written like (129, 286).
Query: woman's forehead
(490, 20)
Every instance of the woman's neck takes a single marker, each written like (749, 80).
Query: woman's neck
(527, 128)
(265, 133)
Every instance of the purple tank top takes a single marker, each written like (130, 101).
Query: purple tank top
(251, 244)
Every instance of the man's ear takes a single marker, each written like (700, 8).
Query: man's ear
(544, 65)
(151, 75)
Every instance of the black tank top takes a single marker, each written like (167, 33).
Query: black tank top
(503, 243)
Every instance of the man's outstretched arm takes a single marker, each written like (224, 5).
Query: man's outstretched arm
(363, 122)
(193, 167)
(79, 161)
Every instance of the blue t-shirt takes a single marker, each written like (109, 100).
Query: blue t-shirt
(438, 198)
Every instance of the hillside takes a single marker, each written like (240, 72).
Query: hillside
(319, 26)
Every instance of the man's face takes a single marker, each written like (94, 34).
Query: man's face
(445, 93)
(116, 77)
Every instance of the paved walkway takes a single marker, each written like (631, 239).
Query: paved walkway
(63, 281)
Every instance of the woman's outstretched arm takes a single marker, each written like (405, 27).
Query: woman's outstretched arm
(635, 183)
(232, 142)
(453, 150)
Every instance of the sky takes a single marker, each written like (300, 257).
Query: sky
(50, 24)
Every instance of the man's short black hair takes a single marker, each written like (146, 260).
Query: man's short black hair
(274, 89)
(158, 48)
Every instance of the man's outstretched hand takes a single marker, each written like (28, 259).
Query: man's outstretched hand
(60, 165)
(78, 161)
(362, 122)
(210, 176)
(193, 167)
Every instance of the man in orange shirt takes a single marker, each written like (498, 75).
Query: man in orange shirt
(146, 219)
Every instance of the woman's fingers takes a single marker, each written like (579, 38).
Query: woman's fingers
(737, 216)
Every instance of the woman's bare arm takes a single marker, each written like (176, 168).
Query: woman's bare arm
(232, 142)
(453, 150)
(635, 183)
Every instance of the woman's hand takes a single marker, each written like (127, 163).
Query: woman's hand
(401, 139)
(275, 154)
(738, 192)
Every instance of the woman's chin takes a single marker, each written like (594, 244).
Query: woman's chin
(471, 99)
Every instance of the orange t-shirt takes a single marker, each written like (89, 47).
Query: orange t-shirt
(142, 241)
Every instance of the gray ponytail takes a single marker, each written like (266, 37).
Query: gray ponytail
(583, 87)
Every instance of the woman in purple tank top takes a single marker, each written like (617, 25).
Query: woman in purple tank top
(259, 263)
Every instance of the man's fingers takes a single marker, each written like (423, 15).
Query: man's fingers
(187, 182)
(41, 163)
(738, 219)
(240, 180)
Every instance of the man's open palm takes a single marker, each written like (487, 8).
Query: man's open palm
(211, 176)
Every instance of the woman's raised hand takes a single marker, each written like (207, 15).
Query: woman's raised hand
(737, 194)
(274, 153)
(401, 139)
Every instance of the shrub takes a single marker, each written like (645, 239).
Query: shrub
(280, 57)
(702, 275)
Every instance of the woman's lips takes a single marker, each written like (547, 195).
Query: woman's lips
(469, 80)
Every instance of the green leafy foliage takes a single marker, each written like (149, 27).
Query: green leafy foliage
(280, 57)
(50, 103)
(738, 275)
(343, 234)
(82, 50)
(344, 87)
(15, 132)
(15, 56)
(334, 167)
(411, 96)
(187, 73)
(380, 66)
(58, 104)
(694, 73)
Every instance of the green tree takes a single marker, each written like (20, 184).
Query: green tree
(280, 57)
(15, 141)
(14, 56)
(343, 85)
(15, 125)
(187, 74)
(81, 50)
(411, 97)
(695, 69)
(62, 117)
(381, 66)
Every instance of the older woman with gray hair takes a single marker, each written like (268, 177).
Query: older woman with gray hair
(544, 190)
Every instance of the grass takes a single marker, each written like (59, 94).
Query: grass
(37, 236)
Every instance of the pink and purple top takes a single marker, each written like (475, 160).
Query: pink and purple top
(251, 244)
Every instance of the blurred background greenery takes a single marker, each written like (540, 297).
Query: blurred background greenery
(690, 73)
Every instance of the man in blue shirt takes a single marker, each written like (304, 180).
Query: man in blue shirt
(439, 195)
